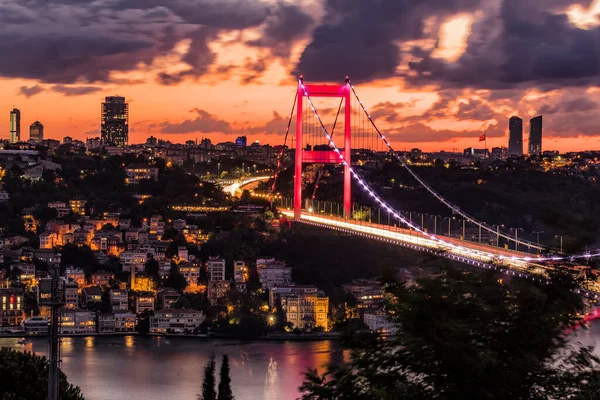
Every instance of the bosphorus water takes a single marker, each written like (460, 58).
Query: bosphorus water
(161, 368)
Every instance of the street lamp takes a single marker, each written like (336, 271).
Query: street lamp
(218, 170)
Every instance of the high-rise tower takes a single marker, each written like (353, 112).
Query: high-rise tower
(15, 125)
(115, 121)
(36, 132)
(515, 137)
(535, 136)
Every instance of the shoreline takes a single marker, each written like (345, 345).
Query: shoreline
(274, 338)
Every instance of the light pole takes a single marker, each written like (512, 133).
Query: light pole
(561, 241)
(516, 237)
(218, 170)
(464, 232)
(498, 234)
(435, 217)
(537, 233)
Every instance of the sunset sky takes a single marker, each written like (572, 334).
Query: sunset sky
(434, 73)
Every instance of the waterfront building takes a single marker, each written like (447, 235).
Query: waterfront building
(12, 305)
(306, 311)
(379, 321)
(119, 299)
(114, 127)
(176, 321)
(124, 322)
(105, 323)
(77, 322)
(276, 293)
(36, 326)
(144, 302)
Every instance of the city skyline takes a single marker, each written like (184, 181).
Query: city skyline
(235, 74)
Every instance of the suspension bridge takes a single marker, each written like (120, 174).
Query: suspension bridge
(362, 145)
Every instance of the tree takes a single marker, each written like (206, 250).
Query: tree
(225, 392)
(175, 279)
(468, 336)
(208, 385)
(24, 376)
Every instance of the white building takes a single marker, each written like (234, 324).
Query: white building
(71, 294)
(36, 326)
(131, 259)
(175, 321)
(124, 322)
(77, 322)
(274, 273)
(379, 322)
(119, 299)
(216, 269)
(182, 253)
(140, 173)
(144, 302)
(190, 272)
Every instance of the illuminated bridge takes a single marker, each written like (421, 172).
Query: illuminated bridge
(360, 146)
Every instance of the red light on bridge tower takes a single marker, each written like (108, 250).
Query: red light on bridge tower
(323, 157)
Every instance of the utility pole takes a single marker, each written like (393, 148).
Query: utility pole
(56, 300)
(538, 236)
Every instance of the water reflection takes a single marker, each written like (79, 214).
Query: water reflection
(158, 368)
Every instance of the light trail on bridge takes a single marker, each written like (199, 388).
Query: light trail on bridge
(232, 188)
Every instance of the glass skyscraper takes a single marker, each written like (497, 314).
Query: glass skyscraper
(15, 125)
(535, 136)
(515, 137)
(115, 121)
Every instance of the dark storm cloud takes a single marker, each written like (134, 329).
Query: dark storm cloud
(520, 43)
(360, 38)
(29, 91)
(75, 90)
(72, 41)
(579, 104)
(286, 24)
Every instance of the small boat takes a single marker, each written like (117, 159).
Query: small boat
(22, 341)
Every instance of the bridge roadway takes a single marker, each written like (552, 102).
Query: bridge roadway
(233, 187)
(478, 254)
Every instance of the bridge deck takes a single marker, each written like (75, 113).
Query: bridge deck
(459, 250)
